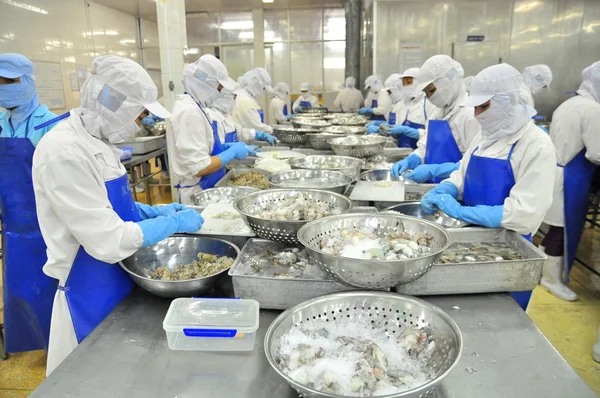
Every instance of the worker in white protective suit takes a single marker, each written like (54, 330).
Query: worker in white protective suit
(278, 109)
(574, 131)
(506, 176)
(86, 211)
(393, 86)
(197, 152)
(536, 78)
(246, 111)
(377, 103)
(349, 99)
(450, 128)
(306, 99)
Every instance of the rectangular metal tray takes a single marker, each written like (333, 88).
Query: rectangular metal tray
(412, 192)
(278, 293)
(482, 277)
(141, 145)
(223, 182)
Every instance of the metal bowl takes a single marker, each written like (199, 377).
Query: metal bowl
(373, 147)
(377, 175)
(370, 274)
(347, 130)
(414, 209)
(337, 115)
(319, 140)
(396, 310)
(354, 120)
(283, 230)
(309, 123)
(174, 251)
(291, 135)
(326, 180)
(220, 195)
(318, 110)
(345, 164)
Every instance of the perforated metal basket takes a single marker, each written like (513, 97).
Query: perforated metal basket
(345, 164)
(309, 122)
(395, 312)
(345, 130)
(372, 274)
(220, 195)
(326, 180)
(374, 147)
(319, 140)
(280, 230)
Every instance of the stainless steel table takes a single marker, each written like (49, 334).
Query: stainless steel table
(128, 356)
(137, 160)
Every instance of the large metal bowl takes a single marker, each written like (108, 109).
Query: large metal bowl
(326, 180)
(174, 251)
(283, 230)
(354, 120)
(377, 175)
(373, 146)
(395, 310)
(317, 110)
(220, 195)
(414, 209)
(337, 115)
(345, 130)
(371, 274)
(309, 123)
(345, 164)
(320, 140)
(291, 135)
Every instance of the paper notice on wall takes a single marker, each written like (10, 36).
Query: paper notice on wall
(411, 56)
(49, 84)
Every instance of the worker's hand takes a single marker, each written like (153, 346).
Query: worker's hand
(260, 136)
(156, 229)
(407, 131)
(405, 164)
(291, 115)
(446, 203)
(188, 221)
(298, 109)
(148, 121)
(445, 188)
(365, 111)
(146, 212)
(372, 128)
(237, 150)
(427, 172)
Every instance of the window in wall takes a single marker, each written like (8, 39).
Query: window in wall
(236, 27)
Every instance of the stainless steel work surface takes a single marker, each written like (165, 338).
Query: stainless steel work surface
(505, 355)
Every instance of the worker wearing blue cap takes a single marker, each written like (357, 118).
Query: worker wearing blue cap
(28, 292)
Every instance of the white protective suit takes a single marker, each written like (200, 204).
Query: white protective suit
(191, 138)
(280, 93)
(70, 168)
(305, 96)
(384, 104)
(220, 112)
(508, 121)
(446, 74)
(575, 125)
(536, 78)
(349, 99)
(414, 105)
(246, 110)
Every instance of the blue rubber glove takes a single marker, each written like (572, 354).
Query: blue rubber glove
(405, 164)
(260, 136)
(148, 120)
(407, 131)
(156, 229)
(372, 128)
(365, 111)
(487, 216)
(157, 119)
(298, 109)
(146, 212)
(426, 172)
(237, 150)
(445, 188)
(291, 115)
(544, 129)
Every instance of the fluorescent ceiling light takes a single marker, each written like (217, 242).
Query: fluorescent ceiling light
(267, 1)
(237, 25)
(26, 6)
(127, 41)
(192, 51)
(528, 6)
(101, 33)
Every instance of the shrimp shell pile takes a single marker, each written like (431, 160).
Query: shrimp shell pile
(479, 252)
(296, 207)
(206, 265)
(250, 179)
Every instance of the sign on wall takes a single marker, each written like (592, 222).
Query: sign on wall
(49, 84)
(411, 56)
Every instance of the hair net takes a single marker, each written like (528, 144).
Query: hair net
(113, 96)
(255, 81)
(410, 72)
(305, 86)
(350, 82)
(590, 81)
(281, 90)
(446, 74)
(536, 77)
(202, 78)
(20, 99)
(394, 84)
(499, 84)
(373, 83)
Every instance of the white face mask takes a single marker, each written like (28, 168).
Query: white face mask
(493, 119)
(396, 95)
(408, 91)
(225, 104)
(438, 99)
(305, 95)
(212, 97)
(126, 131)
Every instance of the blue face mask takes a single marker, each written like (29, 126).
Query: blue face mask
(18, 94)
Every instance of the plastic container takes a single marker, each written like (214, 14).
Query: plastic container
(126, 153)
(203, 324)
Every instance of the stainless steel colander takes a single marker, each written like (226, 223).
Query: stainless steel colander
(369, 146)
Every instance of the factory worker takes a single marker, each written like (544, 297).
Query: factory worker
(278, 109)
(536, 78)
(197, 152)
(393, 86)
(506, 176)
(349, 99)
(467, 81)
(85, 207)
(246, 111)
(306, 99)
(574, 131)
(28, 292)
(377, 103)
(450, 127)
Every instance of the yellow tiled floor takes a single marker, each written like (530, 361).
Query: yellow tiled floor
(571, 327)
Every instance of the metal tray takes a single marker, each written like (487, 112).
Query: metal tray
(412, 192)
(278, 293)
(482, 277)
(224, 182)
(141, 145)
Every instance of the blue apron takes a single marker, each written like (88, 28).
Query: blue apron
(374, 104)
(285, 111)
(392, 118)
(94, 288)
(305, 104)
(441, 145)
(28, 292)
(261, 113)
(577, 178)
(488, 182)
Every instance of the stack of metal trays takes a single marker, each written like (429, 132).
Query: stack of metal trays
(279, 276)
(485, 265)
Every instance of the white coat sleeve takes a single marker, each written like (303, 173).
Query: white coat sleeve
(357, 101)
(191, 142)
(531, 196)
(245, 134)
(338, 101)
(296, 103)
(422, 144)
(251, 120)
(589, 134)
(314, 101)
(80, 202)
(384, 104)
